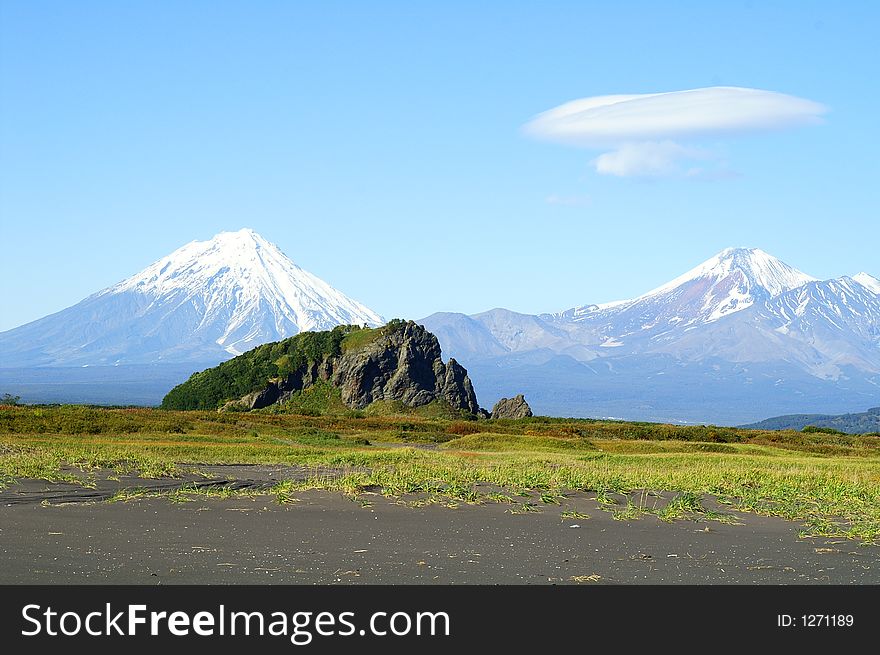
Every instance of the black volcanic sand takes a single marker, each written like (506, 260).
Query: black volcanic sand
(54, 533)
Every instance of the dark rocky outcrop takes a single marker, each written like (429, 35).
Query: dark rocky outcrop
(515, 407)
(400, 362)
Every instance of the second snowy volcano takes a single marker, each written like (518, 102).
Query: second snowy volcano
(205, 302)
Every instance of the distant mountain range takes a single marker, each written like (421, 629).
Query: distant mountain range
(205, 302)
(859, 423)
(739, 337)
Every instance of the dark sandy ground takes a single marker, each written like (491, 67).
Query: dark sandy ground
(53, 533)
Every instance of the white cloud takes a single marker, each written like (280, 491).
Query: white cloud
(648, 159)
(641, 132)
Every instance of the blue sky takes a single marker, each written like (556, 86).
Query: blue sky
(381, 145)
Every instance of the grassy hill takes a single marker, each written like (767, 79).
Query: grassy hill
(859, 423)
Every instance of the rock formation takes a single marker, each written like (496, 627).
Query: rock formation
(401, 363)
(515, 407)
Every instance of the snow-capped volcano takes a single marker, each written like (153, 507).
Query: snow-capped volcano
(248, 286)
(204, 302)
(729, 282)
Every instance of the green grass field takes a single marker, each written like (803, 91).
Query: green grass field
(831, 482)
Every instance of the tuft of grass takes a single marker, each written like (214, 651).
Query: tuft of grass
(685, 505)
(603, 497)
(135, 493)
(496, 497)
(524, 508)
(631, 512)
(551, 498)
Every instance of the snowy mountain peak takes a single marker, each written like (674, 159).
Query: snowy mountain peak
(203, 302)
(245, 282)
(868, 281)
(757, 270)
(729, 282)
(243, 253)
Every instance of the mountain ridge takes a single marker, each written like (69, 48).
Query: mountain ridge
(742, 311)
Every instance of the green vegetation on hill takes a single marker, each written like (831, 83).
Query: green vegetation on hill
(359, 338)
(250, 371)
(859, 423)
(813, 429)
(320, 399)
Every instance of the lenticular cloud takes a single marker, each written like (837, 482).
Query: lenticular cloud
(640, 131)
(612, 120)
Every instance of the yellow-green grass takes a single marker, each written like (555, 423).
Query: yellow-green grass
(830, 482)
(360, 338)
